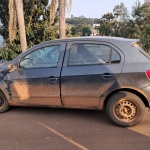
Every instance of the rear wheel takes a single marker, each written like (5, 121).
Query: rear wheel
(125, 109)
(4, 106)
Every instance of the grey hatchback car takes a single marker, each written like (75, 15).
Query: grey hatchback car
(86, 73)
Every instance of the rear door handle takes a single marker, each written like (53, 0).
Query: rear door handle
(52, 79)
(107, 75)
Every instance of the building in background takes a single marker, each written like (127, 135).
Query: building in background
(96, 26)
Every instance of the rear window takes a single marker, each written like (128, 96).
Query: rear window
(141, 50)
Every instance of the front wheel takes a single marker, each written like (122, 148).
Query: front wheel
(4, 106)
(125, 109)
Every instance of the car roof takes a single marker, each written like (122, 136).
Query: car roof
(117, 41)
(114, 40)
(91, 38)
(94, 38)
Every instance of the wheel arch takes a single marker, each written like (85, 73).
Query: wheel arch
(4, 94)
(135, 91)
(4, 90)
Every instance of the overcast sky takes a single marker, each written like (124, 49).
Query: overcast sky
(96, 8)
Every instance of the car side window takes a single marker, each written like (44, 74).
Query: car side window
(115, 58)
(41, 58)
(86, 54)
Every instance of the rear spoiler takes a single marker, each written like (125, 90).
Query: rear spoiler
(131, 41)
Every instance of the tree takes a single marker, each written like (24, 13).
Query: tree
(145, 39)
(105, 28)
(81, 21)
(21, 23)
(62, 18)
(4, 18)
(16, 16)
(80, 30)
(106, 24)
(145, 12)
(62, 6)
(121, 12)
(37, 23)
(77, 30)
(86, 31)
(121, 17)
(142, 22)
(12, 21)
(109, 17)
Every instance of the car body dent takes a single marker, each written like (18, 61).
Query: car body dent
(33, 86)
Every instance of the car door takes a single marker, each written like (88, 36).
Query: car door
(90, 68)
(37, 79)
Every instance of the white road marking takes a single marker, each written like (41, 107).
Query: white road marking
(64, 137)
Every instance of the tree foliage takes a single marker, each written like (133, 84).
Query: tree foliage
(74, 21)
(80, 30)
(37, 22)
(121, 24)
(41, 27)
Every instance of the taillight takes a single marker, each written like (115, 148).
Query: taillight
(148, 74)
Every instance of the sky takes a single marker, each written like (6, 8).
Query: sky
(96, 8)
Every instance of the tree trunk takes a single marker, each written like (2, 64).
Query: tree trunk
(62, 18)
(20, 16)
(12, 21)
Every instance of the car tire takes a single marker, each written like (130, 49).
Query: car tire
(125, 109)
(4, 106)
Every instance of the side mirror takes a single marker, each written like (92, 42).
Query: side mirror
(11, 67)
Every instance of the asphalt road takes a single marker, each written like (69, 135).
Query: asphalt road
(24, 128)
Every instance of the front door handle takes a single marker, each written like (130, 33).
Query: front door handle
(107, 75)
(52, 79)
